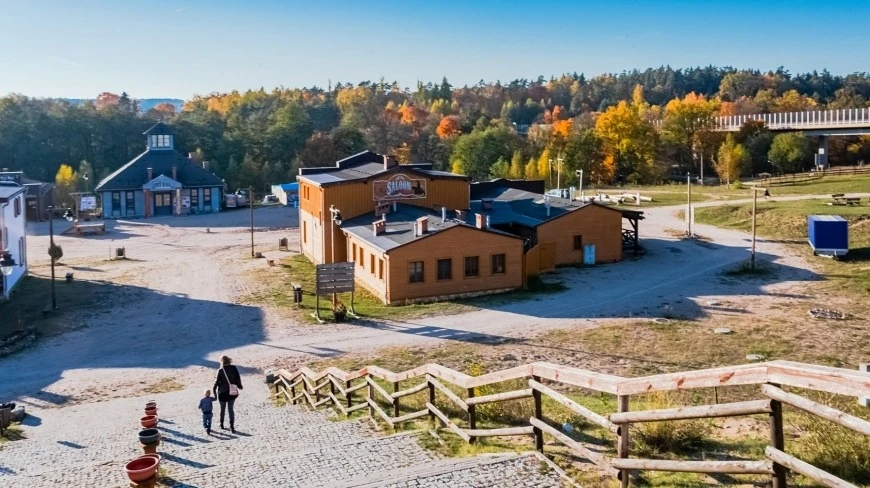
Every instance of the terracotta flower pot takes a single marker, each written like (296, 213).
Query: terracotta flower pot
(141, 469)
(151, 411)
(151, 404)
(153, 455)
(149, 436)
(148, 421)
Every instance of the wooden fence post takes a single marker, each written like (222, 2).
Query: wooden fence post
(431, 397)
(369, 398)
(864, 401)
(349, 394)
(777, 441)
(395, 400)
(622, 446)
(472, 417)
(293, 395)
(539, 434)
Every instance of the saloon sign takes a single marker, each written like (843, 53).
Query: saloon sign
(399, 187)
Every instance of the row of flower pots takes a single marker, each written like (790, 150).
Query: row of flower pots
(142, 471)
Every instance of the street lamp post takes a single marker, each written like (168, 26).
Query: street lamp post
(336, 221)
(69, 217)
(755, 191)
(689, 204)
(251, 204)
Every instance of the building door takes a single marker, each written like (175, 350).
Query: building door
(547, 256)
(163, 203)
(589, 254)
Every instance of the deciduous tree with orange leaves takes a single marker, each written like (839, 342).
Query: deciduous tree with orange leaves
(449, 127)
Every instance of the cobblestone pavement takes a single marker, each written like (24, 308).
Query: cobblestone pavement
(88, 444)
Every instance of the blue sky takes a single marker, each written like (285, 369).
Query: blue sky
(159, 48)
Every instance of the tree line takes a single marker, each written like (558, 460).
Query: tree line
(629, 127)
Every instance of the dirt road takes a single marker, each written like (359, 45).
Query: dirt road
(175, 303)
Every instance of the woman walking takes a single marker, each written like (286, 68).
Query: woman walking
(227, 386)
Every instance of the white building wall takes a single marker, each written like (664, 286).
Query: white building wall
(311, 237)
(14, 239)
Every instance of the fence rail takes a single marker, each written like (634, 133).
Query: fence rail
(800, 178)
(815, 119)
(770, 376)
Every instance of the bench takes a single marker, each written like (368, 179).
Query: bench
(95, 228)
(852, 201)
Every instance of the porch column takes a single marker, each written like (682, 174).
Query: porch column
(147, 203)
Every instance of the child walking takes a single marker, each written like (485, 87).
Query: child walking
(206, 404)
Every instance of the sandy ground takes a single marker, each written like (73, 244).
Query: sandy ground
(177, 303)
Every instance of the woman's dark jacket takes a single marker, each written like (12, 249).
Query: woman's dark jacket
(221, 387)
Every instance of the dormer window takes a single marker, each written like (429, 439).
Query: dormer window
(161, 141)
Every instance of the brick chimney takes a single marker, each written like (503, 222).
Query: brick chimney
(205, 165)
(422, 225)
(379, 227)
(175, 173)
(150, 174)
(478, 221)
(389, 162)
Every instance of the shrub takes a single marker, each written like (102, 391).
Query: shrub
(835, 449)
(679, 436)
(56, 252)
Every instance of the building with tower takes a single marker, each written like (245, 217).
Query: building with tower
(160, 181)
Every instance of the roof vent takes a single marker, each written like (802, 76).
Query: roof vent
(389, 162)
(460, 215)
(478, 221)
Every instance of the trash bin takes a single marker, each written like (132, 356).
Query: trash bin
(297, 293)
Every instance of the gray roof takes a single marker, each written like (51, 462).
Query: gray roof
(134, 174)
(10, 190)
(365, 165)
(400, 227)
(510, 205)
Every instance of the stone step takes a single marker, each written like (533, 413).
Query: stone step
(523, 471)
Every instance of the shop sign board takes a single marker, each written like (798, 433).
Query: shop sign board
(399, 187)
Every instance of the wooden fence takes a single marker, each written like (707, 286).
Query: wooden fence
(800, 178)
(340, 388)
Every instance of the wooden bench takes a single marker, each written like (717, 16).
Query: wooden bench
(95, 228)
(852, 201)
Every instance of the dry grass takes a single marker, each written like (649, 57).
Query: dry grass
(164, 385)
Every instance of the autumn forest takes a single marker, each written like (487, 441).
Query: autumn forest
(626, 128)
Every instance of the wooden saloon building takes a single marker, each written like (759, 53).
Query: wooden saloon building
(415, 234)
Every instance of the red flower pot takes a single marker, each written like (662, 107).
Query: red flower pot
(151, 411)
(148, 421)
(141, 469)
(154, 455)
(151, 404)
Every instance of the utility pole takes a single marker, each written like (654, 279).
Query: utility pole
(550, 171)
(559, 172)
(251, 204)
(51, 248)
(755, 191)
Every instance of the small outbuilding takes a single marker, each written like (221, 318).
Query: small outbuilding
(828, 235)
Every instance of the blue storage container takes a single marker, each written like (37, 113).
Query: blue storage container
(828, 234)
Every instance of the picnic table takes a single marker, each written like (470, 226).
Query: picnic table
(842, 199)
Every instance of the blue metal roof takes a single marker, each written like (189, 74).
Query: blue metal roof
(289, 186)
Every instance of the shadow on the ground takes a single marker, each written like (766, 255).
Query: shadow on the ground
(117, 326)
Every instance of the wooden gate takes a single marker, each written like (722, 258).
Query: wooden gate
(547, 256)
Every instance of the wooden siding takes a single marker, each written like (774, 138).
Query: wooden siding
(456, 244)
(364, 273)
(598, 225)
(355, 198)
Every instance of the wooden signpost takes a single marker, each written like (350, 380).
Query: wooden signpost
(334, 278)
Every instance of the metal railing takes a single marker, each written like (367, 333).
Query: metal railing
(815, 119)
(323, 388)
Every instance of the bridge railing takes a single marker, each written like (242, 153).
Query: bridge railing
(841, 118)
(541, 380)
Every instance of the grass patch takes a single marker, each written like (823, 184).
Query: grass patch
(298, 269)
(11, 434)
(162, 386)
(787, 222)
(29, 307)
